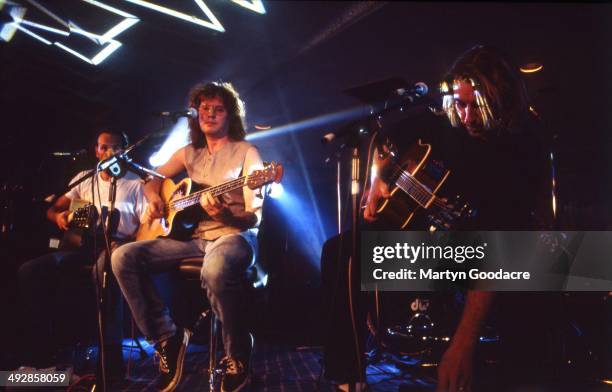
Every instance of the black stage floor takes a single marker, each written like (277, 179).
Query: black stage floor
(288, 368)
(276, 367)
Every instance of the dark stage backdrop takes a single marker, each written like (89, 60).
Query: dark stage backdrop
(291, 64)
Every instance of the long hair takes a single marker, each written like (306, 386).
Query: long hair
(232, 102)
(499, 90)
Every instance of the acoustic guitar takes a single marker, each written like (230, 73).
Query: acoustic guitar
(81, 227)
(182, 202)
(414, 186)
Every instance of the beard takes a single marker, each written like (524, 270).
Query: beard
(476, 131)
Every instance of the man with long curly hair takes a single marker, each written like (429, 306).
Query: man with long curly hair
(225, 238)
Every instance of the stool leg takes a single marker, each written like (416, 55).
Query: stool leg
(212, 353)
(143, 352)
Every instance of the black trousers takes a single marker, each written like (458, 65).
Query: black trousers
(46, 284)
(528, 325)
(341, 357)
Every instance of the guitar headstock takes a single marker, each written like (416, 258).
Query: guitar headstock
(272, 172)
(451, 214)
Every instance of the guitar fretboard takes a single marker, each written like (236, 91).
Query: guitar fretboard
(217, 190)
(412, 187)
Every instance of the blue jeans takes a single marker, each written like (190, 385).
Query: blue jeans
(226, 261)
(38, 286)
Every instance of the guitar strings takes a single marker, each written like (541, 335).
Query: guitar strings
(407, 183)
(421, 195)
(217, 190)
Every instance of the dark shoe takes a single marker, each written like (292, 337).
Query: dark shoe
(171, 354)
(237, 372)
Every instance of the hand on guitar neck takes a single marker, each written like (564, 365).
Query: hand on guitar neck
(379, 190)
(402, 189)
(169, 202)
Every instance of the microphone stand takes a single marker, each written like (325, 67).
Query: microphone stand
(352, 142)
(375, 113)
(116, 166)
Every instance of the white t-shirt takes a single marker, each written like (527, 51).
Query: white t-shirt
(129, 201)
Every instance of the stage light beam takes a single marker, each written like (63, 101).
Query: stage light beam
(178, 138)
(276, 190)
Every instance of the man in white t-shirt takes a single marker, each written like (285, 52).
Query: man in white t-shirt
(39, 279)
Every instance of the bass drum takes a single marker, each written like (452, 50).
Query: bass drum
(421, 325)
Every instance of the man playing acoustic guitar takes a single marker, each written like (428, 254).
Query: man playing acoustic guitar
(39, 278)
(225, 237)
(499, 165)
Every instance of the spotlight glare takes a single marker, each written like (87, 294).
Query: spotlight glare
(8, 31)
(179, 137)
(214, 23)
(17, 13)
(326, 119)
(276, 190)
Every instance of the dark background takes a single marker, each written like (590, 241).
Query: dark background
(289, 65)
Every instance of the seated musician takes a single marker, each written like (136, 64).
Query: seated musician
(225, 238)
(39, 278)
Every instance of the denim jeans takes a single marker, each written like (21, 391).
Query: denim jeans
(39, 286)
(226, 261)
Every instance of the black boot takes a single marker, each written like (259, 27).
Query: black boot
(171, 354)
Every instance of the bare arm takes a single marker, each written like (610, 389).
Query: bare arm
(476, 310)
(174, 166)
(252, 204)
(455, 371)
(378, 189)
(58, 212)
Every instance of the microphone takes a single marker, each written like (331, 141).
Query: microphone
(69, 154)
(190, 113)
(419, 90)
(398, 97)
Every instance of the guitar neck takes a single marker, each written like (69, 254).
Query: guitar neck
(411, 186)
(217, 190)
